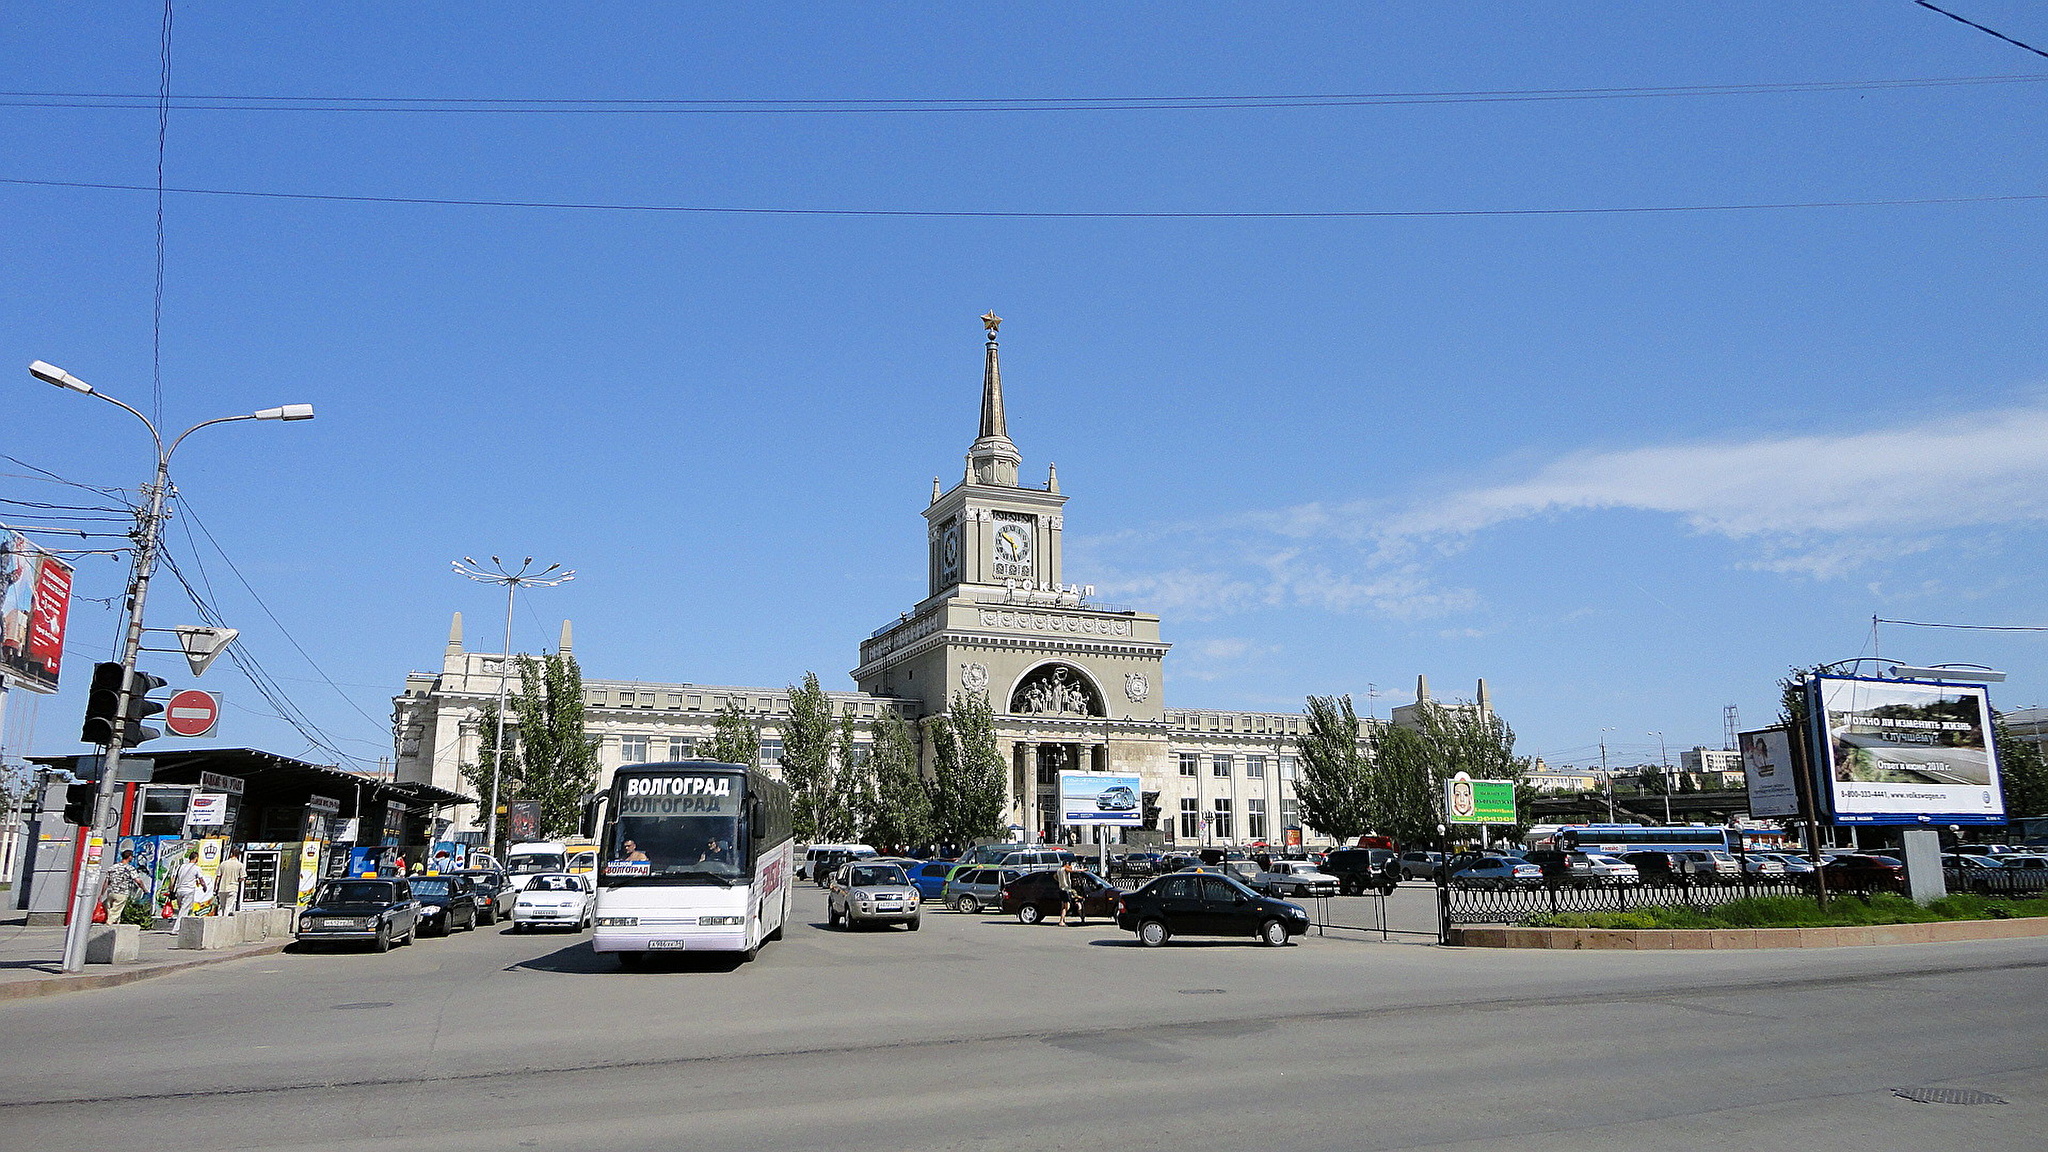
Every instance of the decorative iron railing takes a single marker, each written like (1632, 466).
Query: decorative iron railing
(1998, 881)
(1513, 905)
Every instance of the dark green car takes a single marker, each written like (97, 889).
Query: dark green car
(378, 912)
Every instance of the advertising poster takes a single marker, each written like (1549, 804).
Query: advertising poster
(309, 871)
(1894, 751)
(35, 599)
(1106, 798)
(1767, 765)
(1469, 801)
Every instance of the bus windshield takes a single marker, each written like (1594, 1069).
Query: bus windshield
(680, 829)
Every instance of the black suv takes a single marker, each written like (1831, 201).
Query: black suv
(446, 903)
(1206, 904)
(1359, 870)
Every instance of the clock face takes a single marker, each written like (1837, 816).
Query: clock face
(949, 554)
(1013, 549)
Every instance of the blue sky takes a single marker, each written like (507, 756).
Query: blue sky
(1629, 467)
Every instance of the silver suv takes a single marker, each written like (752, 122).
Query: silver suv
(972, 889)
(871, 894)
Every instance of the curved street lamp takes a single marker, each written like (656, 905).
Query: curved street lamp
(498, 572)
(149, 521)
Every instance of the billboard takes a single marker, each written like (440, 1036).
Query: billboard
(35, 598)
(1767, 765)
(1903, 752)
(1469, 801)
(1107, 798)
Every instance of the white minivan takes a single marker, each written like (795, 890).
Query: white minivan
(838, 853)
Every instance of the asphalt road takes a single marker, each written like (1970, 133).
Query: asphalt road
(980, 1033)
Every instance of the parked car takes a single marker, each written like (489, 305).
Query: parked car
(1420, 865)
(972, 888)
(1864, 872)
(1201, 904)
(1583, 868)
(1174, 862)
(1038, 858)
(494, 894)
(1793, 865)
(1981, 849)
(1134, 864)
(1966, 861)
(821, 860)
(864, 893)
(377, 912)
(1761, 865)
(930, 878)
(1035, 895)
(1359, 870)
(1294, 880)
(1662, 868)
(1709, 865)
(1501, 872)
(556, 900)
(2019, 861)
(447, 904)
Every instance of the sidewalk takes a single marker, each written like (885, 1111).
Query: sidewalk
(31, 960)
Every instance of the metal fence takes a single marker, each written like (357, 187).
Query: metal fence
(1998, 881)
(1514, 905)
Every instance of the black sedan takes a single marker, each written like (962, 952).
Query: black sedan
(494, 894)
(447, 903)
(1207, 904)
(377, 912)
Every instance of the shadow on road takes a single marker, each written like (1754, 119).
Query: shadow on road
(580, 959)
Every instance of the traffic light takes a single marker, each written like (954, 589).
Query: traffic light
(102, 705)
(78, 800)
(140, 708)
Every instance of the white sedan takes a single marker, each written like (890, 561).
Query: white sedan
(555, 900)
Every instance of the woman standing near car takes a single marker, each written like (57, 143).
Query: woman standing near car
(1070, 894)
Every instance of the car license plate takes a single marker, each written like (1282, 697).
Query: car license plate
(652, 944)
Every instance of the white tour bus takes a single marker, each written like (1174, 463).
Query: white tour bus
(693, 856)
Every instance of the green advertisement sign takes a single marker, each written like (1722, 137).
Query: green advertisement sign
(1469, 801)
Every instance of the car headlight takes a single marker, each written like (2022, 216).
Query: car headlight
(305, 922)
(720, 921)
(618, 922)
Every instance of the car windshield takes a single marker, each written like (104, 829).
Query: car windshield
(555, 884)
(875, 876)
(356, 892)
(430, 886)
(528, 862)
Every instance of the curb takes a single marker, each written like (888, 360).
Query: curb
(1660, 939)
(86, 981)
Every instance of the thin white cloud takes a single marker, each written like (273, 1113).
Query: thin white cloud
(1816, 506)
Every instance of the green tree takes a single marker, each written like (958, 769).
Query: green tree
(967, 789)
(816, 811)
(1335, 786)
(856, 799)
(1404, 786)
(902, 814)
(734, 739)
(559, 769)
(1481, 745)
(2023, 769)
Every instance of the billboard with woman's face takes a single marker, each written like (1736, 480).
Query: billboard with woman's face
(1905, 752)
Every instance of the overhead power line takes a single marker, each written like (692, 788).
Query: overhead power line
(833, 105)
(1982, 28)
(937, 214)
(1967, 627)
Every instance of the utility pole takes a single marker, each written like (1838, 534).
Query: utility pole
(1664, 755)
(1606, 778)
(498, 573)
(147, 536)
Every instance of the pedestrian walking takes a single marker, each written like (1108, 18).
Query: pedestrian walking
(228, 885)
(122, 884)
(188, 885)
(1068, 878)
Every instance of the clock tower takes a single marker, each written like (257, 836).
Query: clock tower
(1074, 685)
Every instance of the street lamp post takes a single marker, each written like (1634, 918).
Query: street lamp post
(147, 534)
(1605, 778)
(500, 573)
(1664, 756)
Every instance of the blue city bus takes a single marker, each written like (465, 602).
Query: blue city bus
(1614, 839)
(694, 856)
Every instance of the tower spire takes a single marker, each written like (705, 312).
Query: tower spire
(993, 460)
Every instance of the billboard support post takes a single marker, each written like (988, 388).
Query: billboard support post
(1803, 760)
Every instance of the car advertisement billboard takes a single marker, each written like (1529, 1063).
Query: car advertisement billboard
(1904, 752)
(1767, 765)
(1108, 798)
(35, 599)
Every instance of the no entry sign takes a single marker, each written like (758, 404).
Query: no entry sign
(192, 713)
